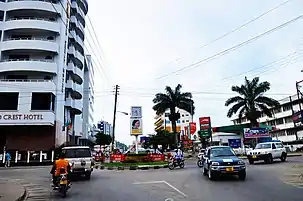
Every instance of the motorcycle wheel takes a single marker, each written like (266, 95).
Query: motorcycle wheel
(171, 166)
(200, 163)
(63, 190)
(181, 165)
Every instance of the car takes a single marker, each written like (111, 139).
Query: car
(222, 160)
(267, 151)
(81, 160)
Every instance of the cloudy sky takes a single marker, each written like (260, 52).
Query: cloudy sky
(144, 40)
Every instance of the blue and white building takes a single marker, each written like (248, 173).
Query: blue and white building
(42, 73)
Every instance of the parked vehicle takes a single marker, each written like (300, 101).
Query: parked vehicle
(222, 160)
(267, 151)
(173, 163)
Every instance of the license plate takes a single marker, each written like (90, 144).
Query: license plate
(63, 182)
(229, 169)
(254, 156)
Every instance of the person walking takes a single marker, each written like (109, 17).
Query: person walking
(7, 159)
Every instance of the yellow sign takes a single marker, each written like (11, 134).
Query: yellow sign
(136, 126)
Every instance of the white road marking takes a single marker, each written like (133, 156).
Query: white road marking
(169, 199)
(159, 182)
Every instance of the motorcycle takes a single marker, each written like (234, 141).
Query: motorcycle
(200, 158)
(63, 184)
(173, 162)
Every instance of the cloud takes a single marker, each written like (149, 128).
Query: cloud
(143, 40)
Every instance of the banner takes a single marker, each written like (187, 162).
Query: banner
(255, 132)
(192, 127)
(136, 126)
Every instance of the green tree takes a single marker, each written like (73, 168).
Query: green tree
(172, 100)
(163, 138)
(103, 139)
(251, 101)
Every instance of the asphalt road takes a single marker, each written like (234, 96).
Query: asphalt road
(264, 183)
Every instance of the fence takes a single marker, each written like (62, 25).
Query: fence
(23, 158)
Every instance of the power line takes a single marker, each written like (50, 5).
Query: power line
(228, 50)
(239, 27)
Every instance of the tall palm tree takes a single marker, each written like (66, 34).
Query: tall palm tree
(251, 101)
(172, 100)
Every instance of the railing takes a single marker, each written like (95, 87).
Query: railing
(32, 18)
(29, 38)
(23, 80)
(42, 60)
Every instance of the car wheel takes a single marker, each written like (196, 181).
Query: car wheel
(242, 175)
(200, 163)
(88, 176)
(251, 162)
(269, 159)
(211, 174)
(283, 157)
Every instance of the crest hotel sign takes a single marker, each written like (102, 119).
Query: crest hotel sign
(41, 118)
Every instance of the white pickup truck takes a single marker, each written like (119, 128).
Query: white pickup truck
(267, 151)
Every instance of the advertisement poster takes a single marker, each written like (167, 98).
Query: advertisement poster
(192, 127)
(136, 126)
(256, 132)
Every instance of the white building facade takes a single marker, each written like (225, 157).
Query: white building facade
(282, 119)
(41, 72)
(162, 122)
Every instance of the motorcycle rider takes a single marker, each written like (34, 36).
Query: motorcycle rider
(59, 164)
(178, 155)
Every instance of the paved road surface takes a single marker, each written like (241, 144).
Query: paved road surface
(264, 183)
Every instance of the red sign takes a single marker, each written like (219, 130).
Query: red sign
(117, 157)
(204, 123)
(192, 127)
(156, 157)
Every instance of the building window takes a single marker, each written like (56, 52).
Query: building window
(183, 121)
(43, 101)
(279, 121)
(166, 114)
(287, 107)
(182, 115)
(9, 101)
(290, 132)
(288, 120)
(187, 120)
(187, 115)
(277, 110)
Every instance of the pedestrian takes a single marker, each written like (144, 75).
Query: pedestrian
(7, 159)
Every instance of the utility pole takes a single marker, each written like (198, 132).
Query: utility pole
(116, 88)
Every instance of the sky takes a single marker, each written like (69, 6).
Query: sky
(136, 42)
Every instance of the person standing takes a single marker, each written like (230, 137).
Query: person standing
(7, 159)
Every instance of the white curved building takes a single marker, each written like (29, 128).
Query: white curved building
(42, 64)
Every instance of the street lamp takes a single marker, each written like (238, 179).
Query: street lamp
(114, 126)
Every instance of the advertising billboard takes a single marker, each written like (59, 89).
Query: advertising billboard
(136, 126)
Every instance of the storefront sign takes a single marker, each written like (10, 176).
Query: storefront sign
(255, 132)
(10, 117)
(117, 157)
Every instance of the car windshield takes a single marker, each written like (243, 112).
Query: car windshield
(77, 153)
(222, 151)
(263, 146)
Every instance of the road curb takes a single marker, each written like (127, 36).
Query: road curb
(140, 167)
(23, 196)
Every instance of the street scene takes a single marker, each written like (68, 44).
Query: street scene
(168, 100)
(264, 182)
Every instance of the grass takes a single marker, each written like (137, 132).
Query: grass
(134, 164)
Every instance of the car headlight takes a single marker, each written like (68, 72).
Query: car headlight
(215, 163)
(241, 162)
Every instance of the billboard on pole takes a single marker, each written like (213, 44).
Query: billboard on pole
(136, 126)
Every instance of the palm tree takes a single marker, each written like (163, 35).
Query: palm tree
(172, 100)
(251, 101)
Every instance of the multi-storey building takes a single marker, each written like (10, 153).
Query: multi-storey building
(163, 123)
(282, 119)
(41, 72)
(88, 102)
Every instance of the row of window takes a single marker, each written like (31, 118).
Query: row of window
(285, 132)
(39, 101)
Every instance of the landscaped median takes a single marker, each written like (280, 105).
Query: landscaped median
(133, 166)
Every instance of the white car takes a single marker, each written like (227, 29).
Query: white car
(81, 160)
(267, 151)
